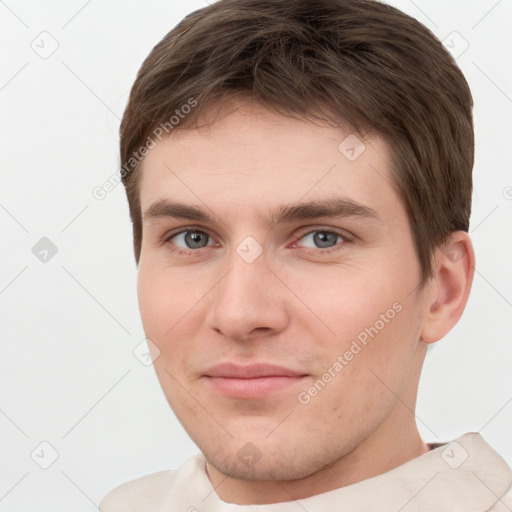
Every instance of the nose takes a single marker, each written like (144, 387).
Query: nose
(249, 301)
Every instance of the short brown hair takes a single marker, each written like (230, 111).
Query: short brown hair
(357, 61)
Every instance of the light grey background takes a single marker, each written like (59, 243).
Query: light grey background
(69, 377)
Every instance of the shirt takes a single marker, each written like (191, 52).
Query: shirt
(465, 475)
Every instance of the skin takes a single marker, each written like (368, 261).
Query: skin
(294, 305)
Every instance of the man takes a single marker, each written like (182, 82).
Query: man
(299, 182)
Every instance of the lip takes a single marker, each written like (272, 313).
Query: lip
(251, 381)
(251, 371)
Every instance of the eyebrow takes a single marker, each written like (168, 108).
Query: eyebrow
(286, 213)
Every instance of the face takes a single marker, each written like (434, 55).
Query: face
(278, 282)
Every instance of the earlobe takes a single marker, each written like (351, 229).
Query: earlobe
(449, 291)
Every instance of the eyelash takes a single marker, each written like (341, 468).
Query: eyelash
(338, 247)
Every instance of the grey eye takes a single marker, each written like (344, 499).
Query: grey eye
(322, 239)
(193, 239)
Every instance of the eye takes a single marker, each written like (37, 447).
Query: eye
(189, 240)
(324, 240)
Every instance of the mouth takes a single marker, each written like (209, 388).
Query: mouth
(251, 381)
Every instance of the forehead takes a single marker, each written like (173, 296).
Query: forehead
(252, 159)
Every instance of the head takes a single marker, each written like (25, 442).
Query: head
(299, 181)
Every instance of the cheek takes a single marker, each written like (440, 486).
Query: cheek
(344, 301)
(368, 320)
(166, 298)
(153, 306)
(358, 381)
(165, 305)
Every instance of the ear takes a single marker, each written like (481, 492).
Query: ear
(450, 286)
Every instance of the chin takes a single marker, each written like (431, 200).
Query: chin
(267, 462)
(283, 469)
